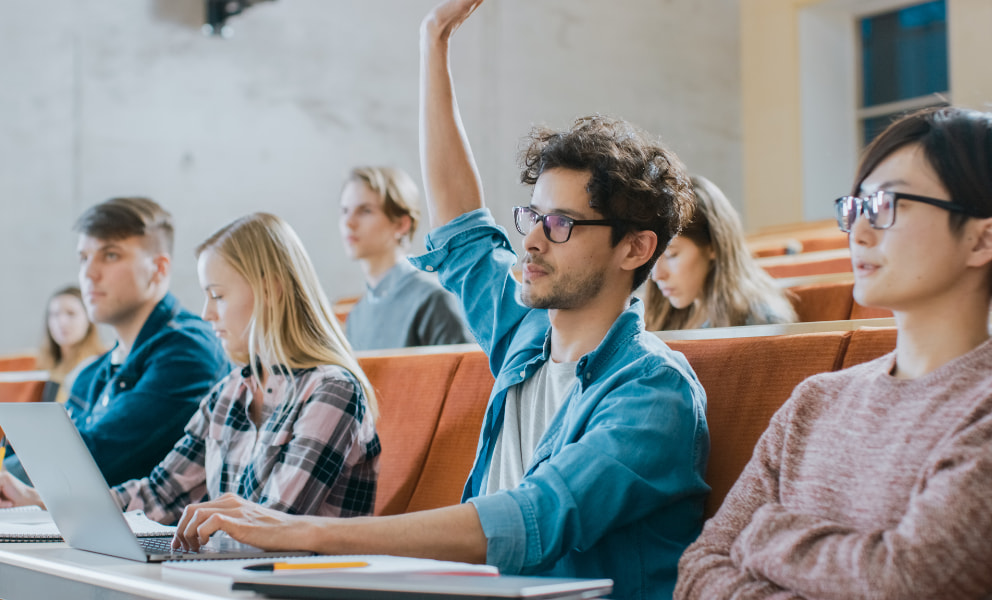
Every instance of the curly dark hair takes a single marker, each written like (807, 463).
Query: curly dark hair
(635, 179)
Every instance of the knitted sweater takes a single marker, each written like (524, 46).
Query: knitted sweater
(863, 486)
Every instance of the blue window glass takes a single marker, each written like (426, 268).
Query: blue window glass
(904, 53)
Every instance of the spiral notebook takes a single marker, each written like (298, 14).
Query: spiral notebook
(32, 524)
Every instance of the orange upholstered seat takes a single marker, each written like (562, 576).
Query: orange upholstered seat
(19, 362)
(823, 301)
(453, 448)
(746, 381)
(411, 392)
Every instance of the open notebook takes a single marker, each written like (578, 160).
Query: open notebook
(32, 524)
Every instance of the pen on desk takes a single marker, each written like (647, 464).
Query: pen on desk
(3, 450)
(281, 566)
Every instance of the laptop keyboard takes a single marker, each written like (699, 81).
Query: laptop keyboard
(163, 545)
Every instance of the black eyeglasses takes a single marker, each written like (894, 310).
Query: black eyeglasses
(880, 208)
(557, 228)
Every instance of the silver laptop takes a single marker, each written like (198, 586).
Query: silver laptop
(422, 586)
(76, 495)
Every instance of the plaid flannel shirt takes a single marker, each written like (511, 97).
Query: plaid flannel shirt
(316, 451)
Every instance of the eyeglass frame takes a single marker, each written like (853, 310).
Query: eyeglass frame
(547, 230)
(861, 204)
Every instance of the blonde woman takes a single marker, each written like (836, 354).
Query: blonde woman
(402, 306)
(293, 429)
(706, 276)
(71, 340)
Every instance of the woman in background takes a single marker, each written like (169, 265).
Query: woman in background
(402, 306)
(292, 427)
(71, 340)
(707, 278)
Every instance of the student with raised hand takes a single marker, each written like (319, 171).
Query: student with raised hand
(875, 481)
(594, 443)
(131, 404)
(402, 305)
(293, 427)
(71, 340)
(707, 278)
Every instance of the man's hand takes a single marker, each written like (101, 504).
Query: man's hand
(14, 492)
(447, 17)
(245, 521)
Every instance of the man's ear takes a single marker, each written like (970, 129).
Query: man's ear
(403, 231)
(163, 267)
(640, 248)
(981, 251)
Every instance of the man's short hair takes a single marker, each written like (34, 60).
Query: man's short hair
(400, 197)
(635, 179)
(120, 218)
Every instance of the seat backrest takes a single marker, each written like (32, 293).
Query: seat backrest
(411, 390)
(868, 344)
(746, 381)
(18, 362)
(868, 312)
(799, 267)
(25, 390)
(453, 448)
(823, 301)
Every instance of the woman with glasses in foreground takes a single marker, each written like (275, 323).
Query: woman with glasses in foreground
(707, 278)
(876, 481)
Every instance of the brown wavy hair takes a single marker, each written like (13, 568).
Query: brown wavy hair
(50, 355)
(635, 180)
(736, 291)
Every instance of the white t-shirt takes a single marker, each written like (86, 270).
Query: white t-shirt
(530, 407)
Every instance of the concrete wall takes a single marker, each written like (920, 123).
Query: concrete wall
(112, 97)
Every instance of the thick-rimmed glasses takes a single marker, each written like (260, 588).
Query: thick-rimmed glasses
(880, 208)
(557, 228)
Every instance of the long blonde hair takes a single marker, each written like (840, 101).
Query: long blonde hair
(292, 322)
(736, 291)
(50, 355)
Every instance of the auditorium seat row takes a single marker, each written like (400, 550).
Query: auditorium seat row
(432, 405)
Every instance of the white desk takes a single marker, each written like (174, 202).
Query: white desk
(32, 571)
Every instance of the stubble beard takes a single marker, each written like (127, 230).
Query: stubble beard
(572, 293)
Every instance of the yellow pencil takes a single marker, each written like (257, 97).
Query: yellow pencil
(281, 566)
(3, 450)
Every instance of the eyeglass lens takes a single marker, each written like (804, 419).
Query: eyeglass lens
(878, 207)
(557, 228)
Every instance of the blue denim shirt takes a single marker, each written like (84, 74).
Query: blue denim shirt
(174, 362)
(615, 488)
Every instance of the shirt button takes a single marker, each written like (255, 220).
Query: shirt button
(588, 375)
(122, 385)
(523, 374)
(429, 268)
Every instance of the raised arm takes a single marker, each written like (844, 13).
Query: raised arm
(452, 185)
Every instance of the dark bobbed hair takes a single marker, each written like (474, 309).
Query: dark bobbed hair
(120, 218)
(957, 142)
(635, 180)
